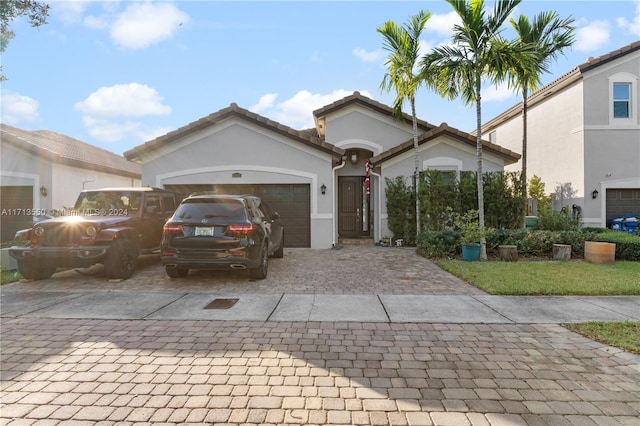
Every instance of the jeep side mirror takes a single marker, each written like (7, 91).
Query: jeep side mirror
(275, 216)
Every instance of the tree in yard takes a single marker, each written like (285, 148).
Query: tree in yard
(549, 35)
(477, 52)
(11, 9)
(403, 45)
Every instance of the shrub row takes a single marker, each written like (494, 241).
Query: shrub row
(442, 244)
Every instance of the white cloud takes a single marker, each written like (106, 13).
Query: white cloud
(497, 93)
(592, 36)
(107, 113)
(143, 24)
(16, 108)
(133, 99)
(631, 26)
(372, 56)
(265, 102)
(69, 12)
(297, 112)
(442, 25)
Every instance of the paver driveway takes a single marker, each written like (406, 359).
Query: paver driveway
(83, 371)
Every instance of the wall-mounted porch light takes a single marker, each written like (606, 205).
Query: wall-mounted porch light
(594, 194)
(43, 191)
(354, 157)
(323, 189)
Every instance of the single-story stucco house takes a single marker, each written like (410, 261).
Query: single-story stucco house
(44, 171)
(315, 178)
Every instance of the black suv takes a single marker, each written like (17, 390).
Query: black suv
(221, 232)
(110, 226)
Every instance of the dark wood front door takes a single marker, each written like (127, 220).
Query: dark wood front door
(352, 211)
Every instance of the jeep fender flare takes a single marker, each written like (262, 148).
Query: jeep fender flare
(110, 234)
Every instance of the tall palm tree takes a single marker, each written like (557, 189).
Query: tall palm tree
(403, 45)
(477, 52)
(549, 35)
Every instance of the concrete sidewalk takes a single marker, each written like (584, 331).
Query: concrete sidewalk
(272, 307)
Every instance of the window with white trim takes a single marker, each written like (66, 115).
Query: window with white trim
(623, 102)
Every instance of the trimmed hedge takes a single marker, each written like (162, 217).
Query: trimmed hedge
(627, 245)
(442, 244)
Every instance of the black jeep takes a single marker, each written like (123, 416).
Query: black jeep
(112, 226)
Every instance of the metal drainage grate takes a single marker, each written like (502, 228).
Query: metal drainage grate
(221, 304)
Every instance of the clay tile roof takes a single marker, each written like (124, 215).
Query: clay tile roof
(66, 150)
(444, 129)
(358, 99)
(304, 136)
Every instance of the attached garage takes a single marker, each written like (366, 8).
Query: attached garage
(291, 201)
(16, 202)
(623, 202)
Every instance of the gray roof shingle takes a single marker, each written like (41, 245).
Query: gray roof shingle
(66, 150)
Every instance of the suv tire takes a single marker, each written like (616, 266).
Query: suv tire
(121, 260)
(260, 272)
(29, 270)
(279, 253)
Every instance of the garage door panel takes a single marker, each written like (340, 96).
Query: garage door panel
(291, 201)
(14, 201)
(623, 201)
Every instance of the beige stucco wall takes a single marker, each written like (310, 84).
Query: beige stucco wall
(555, 150)
(258, 155)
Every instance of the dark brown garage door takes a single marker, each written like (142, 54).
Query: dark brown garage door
(16, 202)
(623, 202)
(291, 201)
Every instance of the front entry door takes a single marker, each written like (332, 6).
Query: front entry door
(353, 215)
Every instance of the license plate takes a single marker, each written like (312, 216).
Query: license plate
(204, 231)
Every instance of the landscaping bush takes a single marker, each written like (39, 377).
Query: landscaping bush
(529, 243)
(627, 245)
(439, 244)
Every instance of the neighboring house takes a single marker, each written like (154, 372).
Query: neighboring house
(584, 136)
(315, 178)
(45, 171)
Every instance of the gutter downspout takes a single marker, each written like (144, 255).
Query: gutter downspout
(334, 194)
(379, 209)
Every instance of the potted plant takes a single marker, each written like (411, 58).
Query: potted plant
(469, 228)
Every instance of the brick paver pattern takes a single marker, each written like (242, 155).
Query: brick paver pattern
(124, 372)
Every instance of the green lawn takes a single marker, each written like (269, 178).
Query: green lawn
(573, 277)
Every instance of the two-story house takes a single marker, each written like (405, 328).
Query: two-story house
(583, 136)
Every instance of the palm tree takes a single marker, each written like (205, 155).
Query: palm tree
(550, 36)
(403, 45)
(477, 52)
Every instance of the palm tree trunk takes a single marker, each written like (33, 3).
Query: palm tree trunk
(524, 152)
(416, 173)
(483, 240)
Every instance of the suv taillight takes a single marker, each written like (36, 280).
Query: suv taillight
(241, 229)
(169, 229)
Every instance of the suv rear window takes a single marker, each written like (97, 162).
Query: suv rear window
(205, 208)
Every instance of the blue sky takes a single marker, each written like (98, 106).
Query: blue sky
(116, 74)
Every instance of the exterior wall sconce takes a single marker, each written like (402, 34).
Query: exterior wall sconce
(594, 194)
(354, 158)
(323, 189)
(43, 191)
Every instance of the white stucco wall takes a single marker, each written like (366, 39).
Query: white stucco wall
(62, 182)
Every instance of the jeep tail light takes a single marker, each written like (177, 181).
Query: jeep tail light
(246, 229)
(171, 229)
